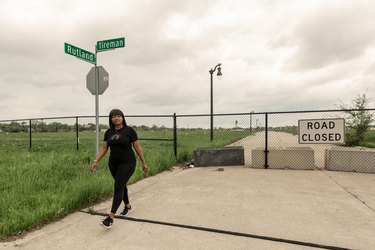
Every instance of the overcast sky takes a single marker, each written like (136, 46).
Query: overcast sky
(276, 55)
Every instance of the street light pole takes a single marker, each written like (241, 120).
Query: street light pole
(219, 74)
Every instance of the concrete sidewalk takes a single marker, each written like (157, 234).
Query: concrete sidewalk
(269, 209)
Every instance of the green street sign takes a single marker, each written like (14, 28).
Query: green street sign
(80, 53)
(110, 44)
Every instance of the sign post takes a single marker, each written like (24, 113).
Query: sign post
(94, 88)
(96, 105)
(100, 47)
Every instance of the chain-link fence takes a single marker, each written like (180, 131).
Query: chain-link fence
(269, 139)
(276, 139)
(76, 132)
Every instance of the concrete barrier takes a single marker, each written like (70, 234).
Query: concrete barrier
(284, 158)
(227, 156)
(350, 160)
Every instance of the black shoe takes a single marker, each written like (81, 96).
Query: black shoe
(127, 210)
(107, 222)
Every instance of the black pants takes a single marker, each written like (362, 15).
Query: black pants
(121, 173)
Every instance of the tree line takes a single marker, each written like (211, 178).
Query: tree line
(41, 126)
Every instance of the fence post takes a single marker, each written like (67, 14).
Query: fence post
(30, 131)
(251, 121)
(266, 151)
(77, 138)
(175, 134)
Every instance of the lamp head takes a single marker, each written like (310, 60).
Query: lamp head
(219, 74)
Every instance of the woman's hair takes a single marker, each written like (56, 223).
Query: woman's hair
(116, 112)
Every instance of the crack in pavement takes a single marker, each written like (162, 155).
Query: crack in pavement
(349, 192)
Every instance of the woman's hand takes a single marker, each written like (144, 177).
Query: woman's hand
(93, 166)
(144, 167)
(100, 155)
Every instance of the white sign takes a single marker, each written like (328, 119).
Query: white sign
(321, 131)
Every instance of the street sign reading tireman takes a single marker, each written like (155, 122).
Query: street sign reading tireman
(103, 80)
(110, 44)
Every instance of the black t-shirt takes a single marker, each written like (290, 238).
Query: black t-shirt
(120, 142)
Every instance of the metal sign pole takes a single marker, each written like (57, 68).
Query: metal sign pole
(79, 53)
(96, 100)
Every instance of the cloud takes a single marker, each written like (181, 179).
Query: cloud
(275, 55)
(331, 34)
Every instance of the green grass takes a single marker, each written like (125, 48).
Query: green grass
(187, 141)
(40, 186)
(368, 141)
(53, 179)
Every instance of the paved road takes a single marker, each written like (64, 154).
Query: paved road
(269, 209)
(228, 208)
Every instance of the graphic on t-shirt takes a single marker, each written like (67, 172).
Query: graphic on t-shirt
(115, 137)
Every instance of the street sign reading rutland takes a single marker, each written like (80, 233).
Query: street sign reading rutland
(110, 44)
(80, 53)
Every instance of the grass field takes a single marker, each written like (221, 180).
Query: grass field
(53, 178)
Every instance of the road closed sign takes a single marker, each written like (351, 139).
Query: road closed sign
(323, 131)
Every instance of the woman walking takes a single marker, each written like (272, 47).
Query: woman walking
(120, 138)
